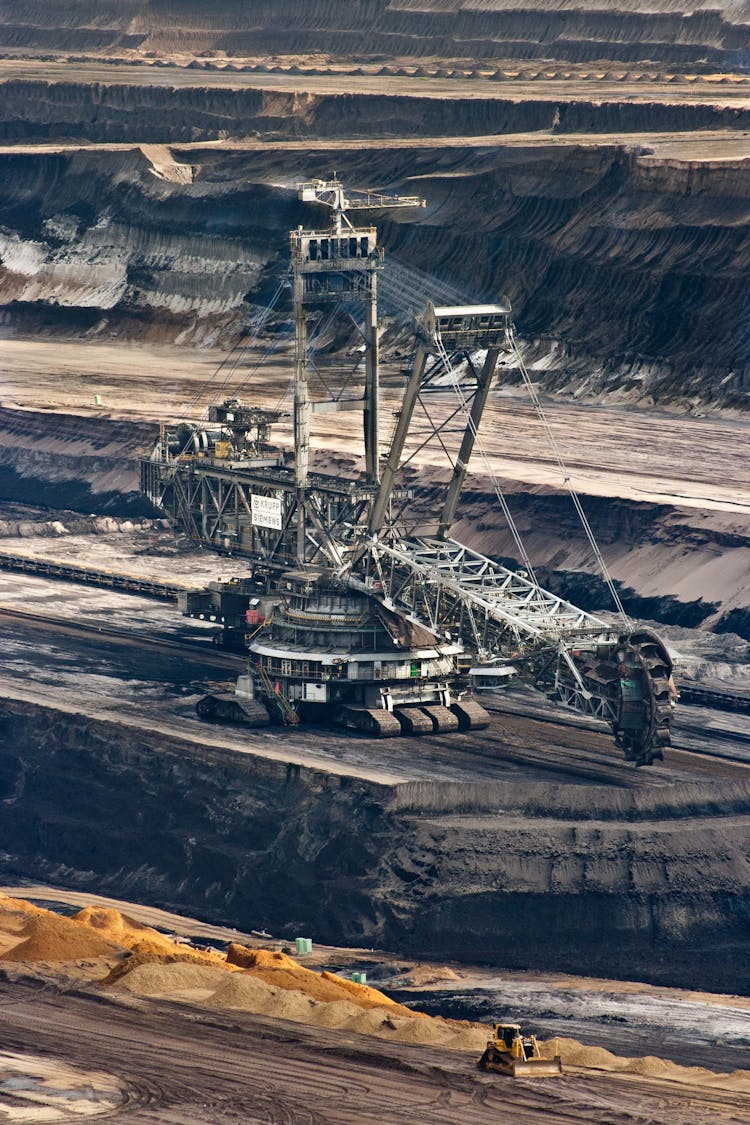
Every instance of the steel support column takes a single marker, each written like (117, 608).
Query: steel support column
(484, 382)
(411, 393)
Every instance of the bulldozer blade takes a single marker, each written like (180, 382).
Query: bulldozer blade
(536, 1068)
(503, 1063)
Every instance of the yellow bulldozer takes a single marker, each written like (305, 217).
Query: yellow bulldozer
(510, 1052)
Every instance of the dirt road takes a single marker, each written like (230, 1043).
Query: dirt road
(176, 1065)
(732, 90)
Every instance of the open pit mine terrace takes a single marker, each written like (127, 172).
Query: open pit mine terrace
(438, 846)
(144, 196)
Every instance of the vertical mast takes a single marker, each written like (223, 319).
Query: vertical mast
(372, 387)
(331, 265)
(302, 408)
(484, 382)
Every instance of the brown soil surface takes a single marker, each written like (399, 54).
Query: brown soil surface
(236, 1066)
(188, 977)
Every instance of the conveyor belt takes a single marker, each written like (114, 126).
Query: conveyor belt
(91, 576)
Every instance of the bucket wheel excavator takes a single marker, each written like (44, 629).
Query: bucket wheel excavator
(354, 604)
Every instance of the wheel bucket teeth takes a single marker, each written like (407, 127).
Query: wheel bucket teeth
(471, 715)
(413, 720)
(648, 757)
(443, 721)
(663, 711)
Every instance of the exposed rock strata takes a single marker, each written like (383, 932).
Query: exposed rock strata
(523, 875)
(713, 31)
(96, 242)
(73, 462)
(115, 113)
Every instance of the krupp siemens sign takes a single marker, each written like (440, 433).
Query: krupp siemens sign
(266, 511)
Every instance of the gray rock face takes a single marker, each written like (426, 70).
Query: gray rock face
(621, 271)
(577, 30)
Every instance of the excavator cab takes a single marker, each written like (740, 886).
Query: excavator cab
(510, 1052)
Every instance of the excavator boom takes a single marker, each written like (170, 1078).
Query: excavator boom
(576, 658)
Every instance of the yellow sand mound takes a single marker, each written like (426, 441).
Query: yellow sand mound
(50, 937)
(14, 919)
(281, 971)
(168, 977)
(367, 997)
(597, 1058)
(92, 932)
(157, 978)
(119, 928)
(245, 991)
(247, 958)
(145, 954)
(126, 931)
(242, 990)
(20, 906)
(336, 1014)
(429, 974)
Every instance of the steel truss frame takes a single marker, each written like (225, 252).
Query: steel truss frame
(212, 505)
(447, 586)
(497, 613)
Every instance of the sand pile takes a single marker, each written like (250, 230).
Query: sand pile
(121, 929)
(20, 906)
(142, 954)
(336, 1014)
(92, 932)
(597, 1058)
(251, 994)
(50, 937)
(428, 974)
(273, 984)
(14, 918)
(281, 971)
(126, 931)
(246, 991)
(159, 978)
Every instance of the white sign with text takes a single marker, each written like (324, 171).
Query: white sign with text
(266, 511)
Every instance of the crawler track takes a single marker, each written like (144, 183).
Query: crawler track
(525, 737)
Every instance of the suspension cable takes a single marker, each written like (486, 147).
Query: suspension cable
(257, 324)
(567, 480)
(240, 346)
